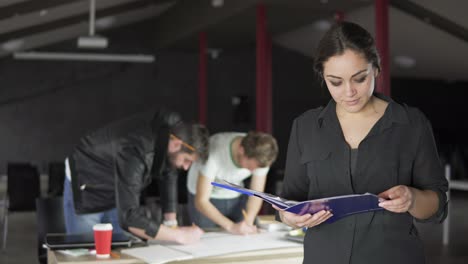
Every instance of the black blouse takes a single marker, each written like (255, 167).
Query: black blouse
(399, 150)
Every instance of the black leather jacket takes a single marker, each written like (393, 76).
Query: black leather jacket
(111, 167)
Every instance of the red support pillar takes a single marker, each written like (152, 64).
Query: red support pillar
(264, 75)
(382, 41)
(339, 16)
(268, 89)
(202, 79)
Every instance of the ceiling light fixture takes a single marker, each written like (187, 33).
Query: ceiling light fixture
(84, 57)
(217, 3)
(214, 52)
(322, 25)
(13, 45)
(92, 41)
(404, 61)
(105, 22)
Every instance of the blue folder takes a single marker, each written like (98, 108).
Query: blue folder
(340, 206)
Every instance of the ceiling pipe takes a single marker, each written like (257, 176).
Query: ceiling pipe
(431, 18)
(92, 16)
(141, 58)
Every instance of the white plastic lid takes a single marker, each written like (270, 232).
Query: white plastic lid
(102, 227)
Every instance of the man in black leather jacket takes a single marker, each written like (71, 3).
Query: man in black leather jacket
(109, 169)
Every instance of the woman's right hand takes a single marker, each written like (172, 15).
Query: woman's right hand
(308, 220)
(188, 234)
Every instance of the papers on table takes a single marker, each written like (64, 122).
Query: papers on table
(157, 254)
(211, 244)
(215, 244)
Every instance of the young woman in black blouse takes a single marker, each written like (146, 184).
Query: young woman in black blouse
(362, 142)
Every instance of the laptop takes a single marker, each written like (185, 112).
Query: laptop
(67, 241)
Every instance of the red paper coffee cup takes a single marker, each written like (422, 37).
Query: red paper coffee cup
(102, 239)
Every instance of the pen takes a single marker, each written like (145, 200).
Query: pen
(115, 255)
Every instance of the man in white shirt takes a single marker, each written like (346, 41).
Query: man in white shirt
(233, 157)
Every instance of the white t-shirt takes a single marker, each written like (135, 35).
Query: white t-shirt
(220, 166)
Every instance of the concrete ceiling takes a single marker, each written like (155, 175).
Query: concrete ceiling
(27, 25)
(436, 54)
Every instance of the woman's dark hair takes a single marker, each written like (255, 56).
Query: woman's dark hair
(343, 36)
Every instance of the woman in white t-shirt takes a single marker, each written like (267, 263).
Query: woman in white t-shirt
(233, 157)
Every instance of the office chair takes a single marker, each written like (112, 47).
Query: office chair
(56, 178)
(49, 216)
(23, 188)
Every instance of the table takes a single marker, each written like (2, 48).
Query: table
(55, 257)
(291, 255)
(287, 255)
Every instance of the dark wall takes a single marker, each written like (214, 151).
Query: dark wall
(443, 102)
(231, 75)
(295, 90)
(46, 106)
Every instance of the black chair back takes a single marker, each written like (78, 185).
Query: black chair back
(50, 219)
(56, 178)
(23, 186)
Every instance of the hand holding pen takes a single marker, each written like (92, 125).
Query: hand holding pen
(242, 227)
(246, 226)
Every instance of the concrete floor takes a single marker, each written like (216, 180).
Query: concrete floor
(22, 244)
(456, 252)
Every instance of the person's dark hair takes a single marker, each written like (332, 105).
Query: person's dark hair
(343, 36)
(195, 135)
(260, 146)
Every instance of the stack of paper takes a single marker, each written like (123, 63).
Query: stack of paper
(211, 244)
(157, 254)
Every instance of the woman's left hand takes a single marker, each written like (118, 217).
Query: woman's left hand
(398, 199)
